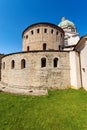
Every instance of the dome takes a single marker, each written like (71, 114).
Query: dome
(65, 23)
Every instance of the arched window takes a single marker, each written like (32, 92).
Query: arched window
(28, 48)
(43, 62)
(12, 64)
(3, 65)
(44, 46)
(23, 63)
(55, 62)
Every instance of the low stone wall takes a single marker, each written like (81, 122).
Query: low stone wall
(32, 91)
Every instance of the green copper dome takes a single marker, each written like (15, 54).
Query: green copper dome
(65, 23)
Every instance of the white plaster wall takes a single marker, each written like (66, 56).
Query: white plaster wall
(83, 56)
(75, 70)
(73, 38)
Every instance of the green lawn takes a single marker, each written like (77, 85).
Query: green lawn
(59, 110)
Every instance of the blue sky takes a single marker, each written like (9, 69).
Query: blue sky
(16, 15)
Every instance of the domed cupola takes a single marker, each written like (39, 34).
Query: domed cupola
(71, 36)
(66, 23)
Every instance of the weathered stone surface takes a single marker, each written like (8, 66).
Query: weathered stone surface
(35, 78)
(36, 41)
(33, 75)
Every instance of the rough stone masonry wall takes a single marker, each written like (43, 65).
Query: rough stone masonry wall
(33, 75)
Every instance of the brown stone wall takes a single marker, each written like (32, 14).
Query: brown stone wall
(36, 40)
(33, 75)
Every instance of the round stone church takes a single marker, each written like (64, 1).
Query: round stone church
(51, 58)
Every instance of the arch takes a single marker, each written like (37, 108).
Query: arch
(23, 64)
(55, 62)
(43, 62)
(44, 46)
(28, 48)
(12, 64)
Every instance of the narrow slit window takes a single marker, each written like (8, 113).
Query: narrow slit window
(3, 65)
(55, 62)
(12, 64)
(45, 30)
(38, 30)
(44, 46)
(26, 36)
(32, 32)
(23, 64)
(28, 48)
(57, 33)
(43, 62)
(52, 31)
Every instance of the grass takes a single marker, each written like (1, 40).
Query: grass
(60, 110)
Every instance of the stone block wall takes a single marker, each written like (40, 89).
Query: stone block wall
(34, 75)
(53, 37)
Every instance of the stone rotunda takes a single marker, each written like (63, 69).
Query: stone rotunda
(51, 58)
